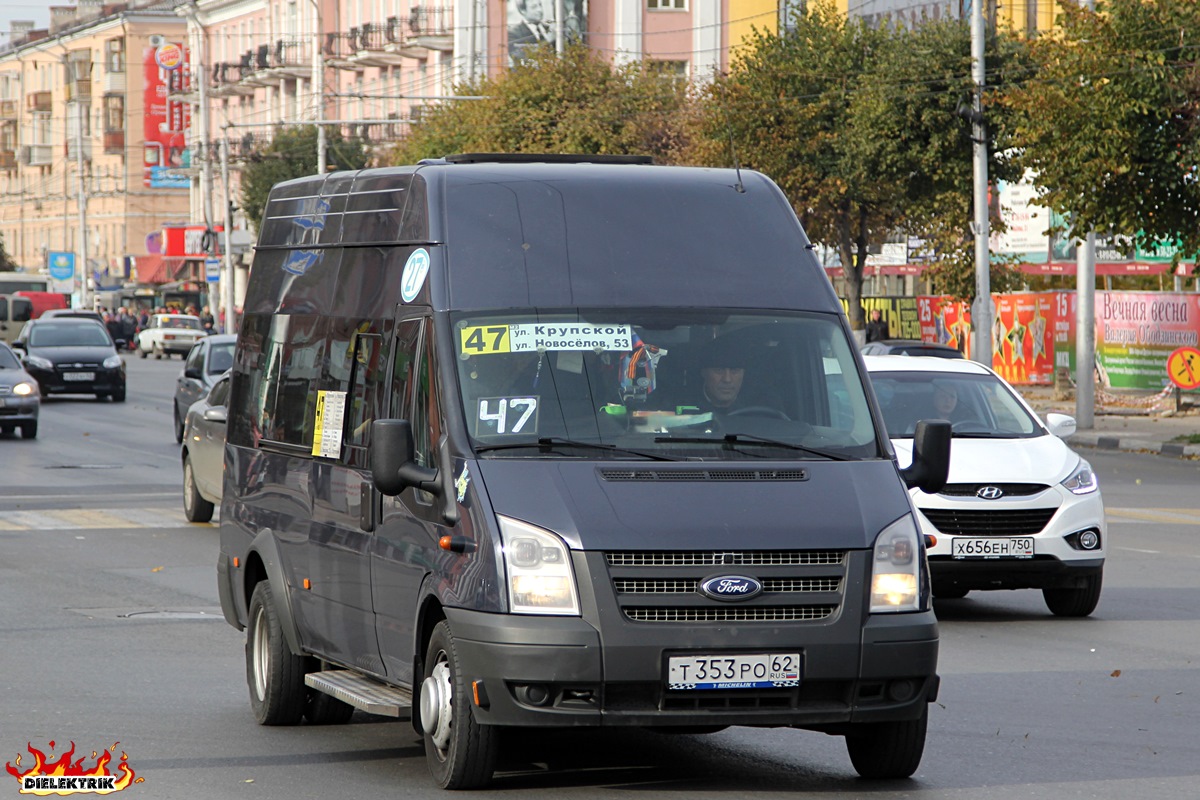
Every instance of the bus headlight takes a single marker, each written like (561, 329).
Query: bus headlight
(538, 566)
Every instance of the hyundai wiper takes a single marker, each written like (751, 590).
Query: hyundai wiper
(730, 439)
(548, 443)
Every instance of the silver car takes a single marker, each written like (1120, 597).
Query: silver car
(19, 396)
(203, 452)
(206, 362)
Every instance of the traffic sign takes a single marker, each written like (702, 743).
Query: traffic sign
(1183, 368)
(212, 269)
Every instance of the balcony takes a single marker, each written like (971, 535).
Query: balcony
(292, 58)
(41, 102)
(114, 142)
(80, 89)
(76, 150)
(227, 80)
(398, 44)
(338, 49)
(8, 160)
(41, 155)
(431, 27)
(371, 47)
(8, 109)
(114, 83)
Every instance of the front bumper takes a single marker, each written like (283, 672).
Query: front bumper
(556, 672)
(15, 409)
(1058, 560)
(103, 381)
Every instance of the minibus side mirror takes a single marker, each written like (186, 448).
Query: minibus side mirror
(931, 456)
(394, 467)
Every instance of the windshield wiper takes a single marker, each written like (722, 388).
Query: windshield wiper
(731, 439)
(548, 443)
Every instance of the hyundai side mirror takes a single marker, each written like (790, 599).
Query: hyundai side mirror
(930, 456)
(1061, 425)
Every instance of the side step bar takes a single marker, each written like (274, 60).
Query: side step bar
(362, 693)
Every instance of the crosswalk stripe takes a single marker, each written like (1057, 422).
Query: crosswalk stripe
(65, 519)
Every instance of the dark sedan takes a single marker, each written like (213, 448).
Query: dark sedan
(19, 400)
(72, 356)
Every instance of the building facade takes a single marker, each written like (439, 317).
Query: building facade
(90, 136)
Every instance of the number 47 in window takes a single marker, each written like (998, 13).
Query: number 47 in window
(509, 414)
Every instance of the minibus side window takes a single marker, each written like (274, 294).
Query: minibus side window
(427, 418)
(404, 359)
(365, 377)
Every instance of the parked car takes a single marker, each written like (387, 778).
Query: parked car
(169, 333)
(910, 347)
(19, 398)
(72, 356)
(203, 452)
(1020, 509)
(205, 363)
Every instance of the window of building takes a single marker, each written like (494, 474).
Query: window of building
(667, 5)
(114, 55)
(670, 70)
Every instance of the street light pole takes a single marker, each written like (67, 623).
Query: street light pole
(318, 85)
(981, 315)
(87, 297)
(1085, 322)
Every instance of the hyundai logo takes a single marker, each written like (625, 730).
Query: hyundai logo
(990, 492)
(731, 587)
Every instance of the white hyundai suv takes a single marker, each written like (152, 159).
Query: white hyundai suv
(1020, 509)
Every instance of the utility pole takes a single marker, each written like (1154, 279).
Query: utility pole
(558, 28)
(981, 315)
(227, 265)
(318, 86)
(87, 298)
(1085, 322)
(199, 76)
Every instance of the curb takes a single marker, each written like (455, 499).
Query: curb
(1101, 441)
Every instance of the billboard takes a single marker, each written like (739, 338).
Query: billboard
(168, 119)
(532, 22)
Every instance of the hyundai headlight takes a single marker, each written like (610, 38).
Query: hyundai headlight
(112, 362)
(39, 362)
(896, 568)
(24, 389)
(538, 566)
(1082, 480)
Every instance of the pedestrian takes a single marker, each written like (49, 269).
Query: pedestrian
(206, 320)
(877, 328)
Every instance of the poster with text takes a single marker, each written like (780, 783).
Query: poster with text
(1137, 331)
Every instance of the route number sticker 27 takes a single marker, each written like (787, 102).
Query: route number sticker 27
(506, 415)
(531, 337)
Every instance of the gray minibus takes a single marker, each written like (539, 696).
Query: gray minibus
(563, 441)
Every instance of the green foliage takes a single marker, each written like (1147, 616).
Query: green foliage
(6, 262)
(293, 154)
(860, 128)
(1109, 120)
(546, 104)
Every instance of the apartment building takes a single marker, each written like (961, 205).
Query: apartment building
(93, 136)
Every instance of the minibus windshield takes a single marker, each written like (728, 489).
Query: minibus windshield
(661, 383)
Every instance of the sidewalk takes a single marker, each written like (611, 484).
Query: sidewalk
(1125, 426)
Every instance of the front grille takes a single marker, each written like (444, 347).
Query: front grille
(663, 587)
(5, 390)
(726, 613)
(725, 559)
(1009, 489)
(82, 365)
(963, 522)
(704, 474)
(684, 586)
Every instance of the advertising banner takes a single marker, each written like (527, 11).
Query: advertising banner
(1023, 331)
(900, 313)
(167, 120)
(1136, 332)
(945, 321)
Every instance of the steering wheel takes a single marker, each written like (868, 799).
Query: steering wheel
(759, 411)
(969, 426)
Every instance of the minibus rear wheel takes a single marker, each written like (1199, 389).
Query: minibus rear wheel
(461, 752)
(275, 674)
(888, 749)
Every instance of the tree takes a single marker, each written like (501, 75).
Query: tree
(293, 154)
(6, 262)
(577, 103)
(860, 127)
(1110, 121)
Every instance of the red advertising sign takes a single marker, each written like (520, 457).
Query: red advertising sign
(167, 120)
(945, 321)
(1023, 336)
(187, 241)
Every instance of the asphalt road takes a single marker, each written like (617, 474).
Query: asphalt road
(111, 634)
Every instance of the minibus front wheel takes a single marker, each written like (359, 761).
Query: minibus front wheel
(888, 750)
(275, 674)
(461, 752)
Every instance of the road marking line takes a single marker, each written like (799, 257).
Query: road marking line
(1167, 516)
(68, 519)
(1137, 550)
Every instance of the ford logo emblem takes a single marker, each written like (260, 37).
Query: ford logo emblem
(731, 587)
(990, 492)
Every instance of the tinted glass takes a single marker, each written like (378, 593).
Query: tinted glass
(651, 379)
(79, 334)
(220, 358)
(8, 359)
